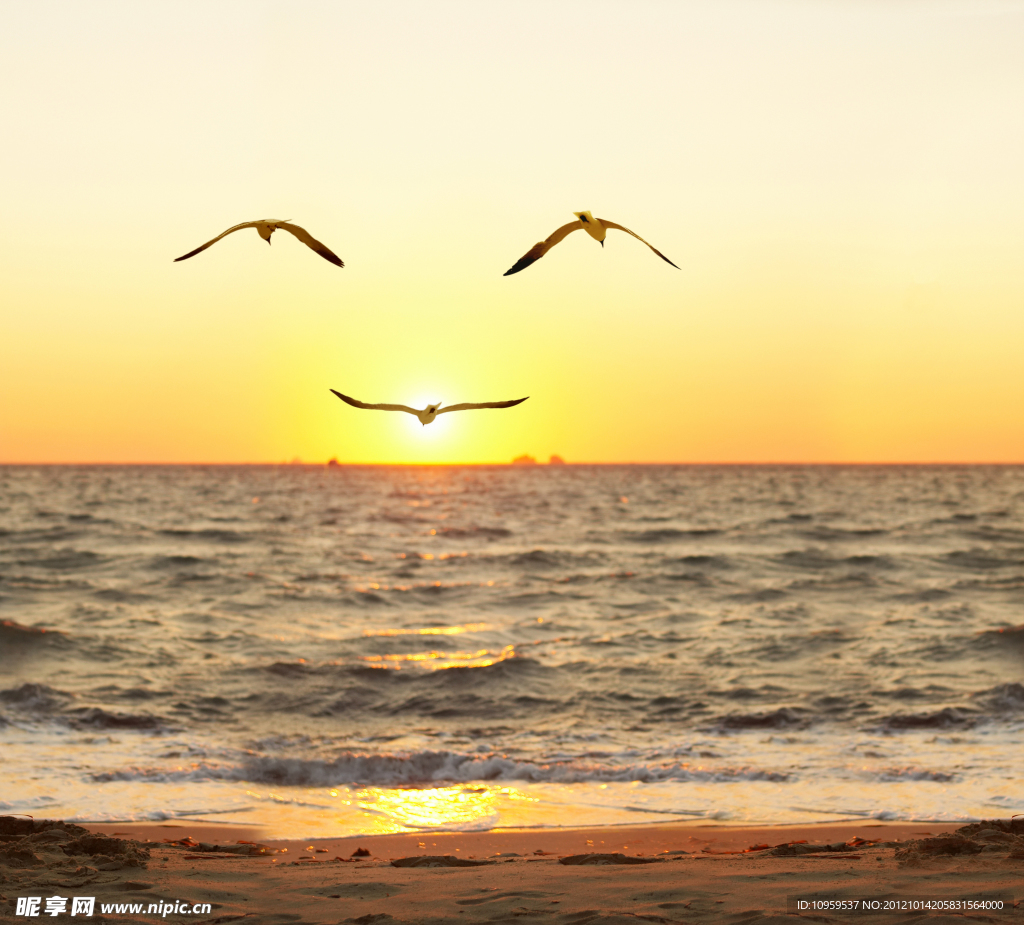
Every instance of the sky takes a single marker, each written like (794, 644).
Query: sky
(839, 182)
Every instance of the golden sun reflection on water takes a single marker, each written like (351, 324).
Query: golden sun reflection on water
(457, 807)
(431, 630)
(436, 661)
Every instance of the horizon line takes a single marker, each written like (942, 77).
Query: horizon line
(333, 463)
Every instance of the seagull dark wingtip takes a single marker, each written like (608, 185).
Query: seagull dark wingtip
(520, 264)
(350, 401)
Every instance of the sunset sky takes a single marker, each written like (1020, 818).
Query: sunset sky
(841, 183)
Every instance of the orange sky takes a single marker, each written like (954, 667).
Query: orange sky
(839, 182)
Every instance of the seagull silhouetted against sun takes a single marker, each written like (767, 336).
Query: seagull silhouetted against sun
(427, 415)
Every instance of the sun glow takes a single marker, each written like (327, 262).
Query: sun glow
(440, 807)
(437, 661)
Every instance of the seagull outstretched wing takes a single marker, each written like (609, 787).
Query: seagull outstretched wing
(472, 406)
(362, 404)
(542, 247)
(608, 224)
(306, 238)
(215, 240)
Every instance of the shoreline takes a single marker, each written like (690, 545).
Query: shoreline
(649, 839)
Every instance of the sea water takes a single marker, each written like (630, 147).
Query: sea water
(336, 650)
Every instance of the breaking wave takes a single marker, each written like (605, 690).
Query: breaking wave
(430, 768)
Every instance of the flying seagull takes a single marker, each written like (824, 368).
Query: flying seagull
(431, 411)
(595, 227)
(266, 227)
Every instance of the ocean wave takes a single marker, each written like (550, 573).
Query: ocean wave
(898, 774)
(175, 562)
(487, 533)
(817, 559)
(807, 559)
(35, 697)
(52, 535)
(832, 704)
(838, 533)
(402, 518)
(924, 595)
(368, 598)
(787, 648)
(782, 718)
(666, 535)
(981, 559)
(946, 718)
(889, 815)
(135, 693)
(1004, 698)
(290, 669)
(996, 534)
(541, 598)
(769, 691)
(698, 561)
(427, 767)
(35, 583)
(869, 561)
(121, 596)
(65, 560)
(209, 535)
(760, 595)
(158, 815)
(915, 693)
(697, 579)
(388, 672)
(551, 559)
(98, 718)
(848, 582)
(1003, 583)
(1000, 637)
(12, 633)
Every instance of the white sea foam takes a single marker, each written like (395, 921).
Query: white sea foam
(429, 768)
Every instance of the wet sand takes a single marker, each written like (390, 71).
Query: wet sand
(677, 873)
(645, 840)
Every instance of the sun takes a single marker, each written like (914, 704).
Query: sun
(436, 429)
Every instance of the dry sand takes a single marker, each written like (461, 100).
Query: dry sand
(686, 877)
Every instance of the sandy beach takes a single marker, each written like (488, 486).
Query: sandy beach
(668, 873)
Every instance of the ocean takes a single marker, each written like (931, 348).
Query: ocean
(326, 651)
